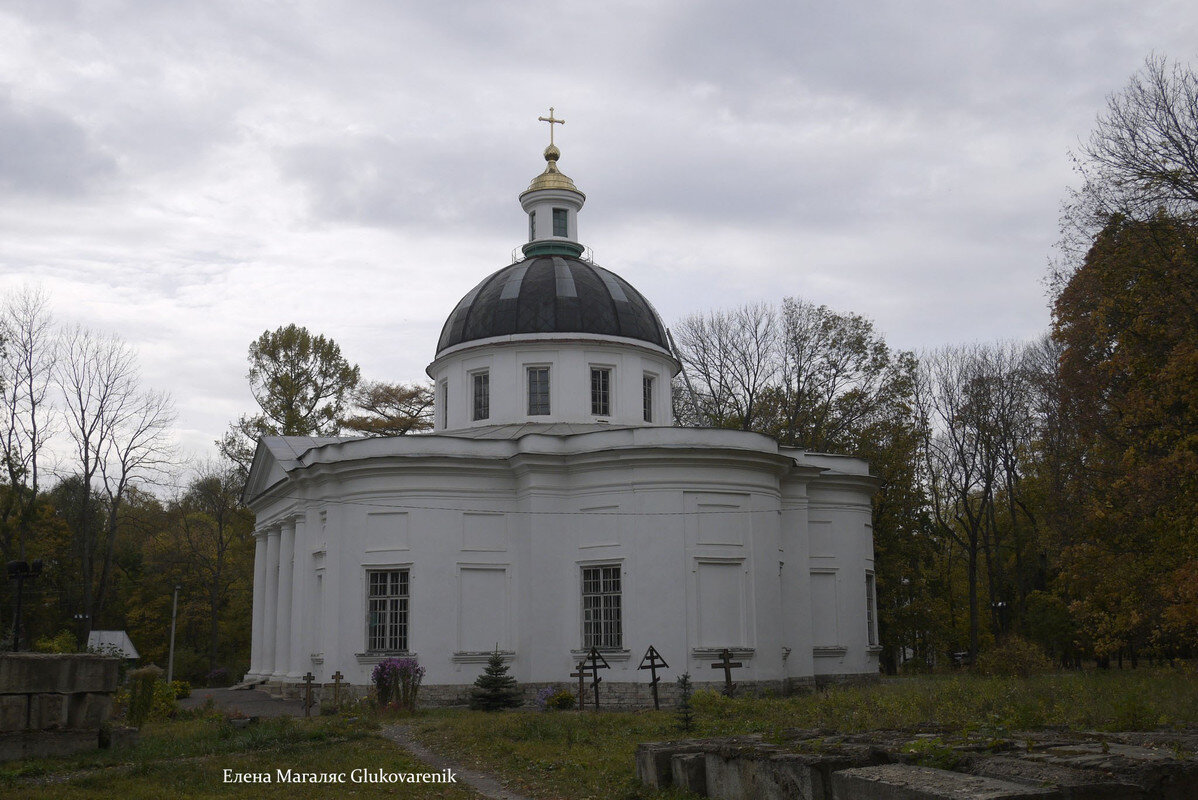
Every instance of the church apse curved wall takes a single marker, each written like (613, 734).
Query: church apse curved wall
(690, 540)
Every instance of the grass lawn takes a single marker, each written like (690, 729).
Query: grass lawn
(584, 755)
(187, 759)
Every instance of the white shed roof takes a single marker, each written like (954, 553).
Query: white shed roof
(116, 641)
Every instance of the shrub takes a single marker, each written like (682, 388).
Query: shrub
(396, 682)
(562, 700)
(217, 677)
(182, 689)
(61, 642)
(1013, 656)
(163, 705)
(142, 694)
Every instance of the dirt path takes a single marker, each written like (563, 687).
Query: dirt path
(486, 785)
(254, 703)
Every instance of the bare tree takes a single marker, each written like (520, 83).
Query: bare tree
(729, 357)
(119, 434)
(951, 397)
(980, 407)
(30, 342)
(1140, 160)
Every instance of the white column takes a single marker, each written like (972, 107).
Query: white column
(270, 602)
(301, 598)
(256, 645)
(283, 623)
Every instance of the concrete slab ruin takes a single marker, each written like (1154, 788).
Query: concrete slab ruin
(56, 704)
(884, 765)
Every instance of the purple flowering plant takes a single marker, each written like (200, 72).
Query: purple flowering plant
(396, 682)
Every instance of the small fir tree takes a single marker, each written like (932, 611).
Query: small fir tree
(495, 689)
(685, 712)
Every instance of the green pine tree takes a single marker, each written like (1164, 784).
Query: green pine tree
(495, 689)
(685, 712)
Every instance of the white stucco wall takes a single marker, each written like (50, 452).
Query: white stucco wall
(712, 531)
(507, 359)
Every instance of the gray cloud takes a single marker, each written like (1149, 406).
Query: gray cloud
(44, 152)
(228, 167)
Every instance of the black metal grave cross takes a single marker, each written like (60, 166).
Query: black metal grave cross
(337, 678)
(598, 662)
(308, 678)
(727, 664)
(581, 673)
(653, 662)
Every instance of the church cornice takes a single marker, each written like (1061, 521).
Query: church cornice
(552, 339)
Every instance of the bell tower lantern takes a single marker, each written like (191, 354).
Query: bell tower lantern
(552, 203)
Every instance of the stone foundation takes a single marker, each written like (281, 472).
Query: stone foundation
(616, 696)
(54, 704)
(880, 766)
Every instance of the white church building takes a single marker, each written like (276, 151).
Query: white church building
(555, 508)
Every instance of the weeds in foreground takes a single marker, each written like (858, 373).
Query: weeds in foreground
(581, 754)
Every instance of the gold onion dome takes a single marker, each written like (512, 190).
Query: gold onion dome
(552, 178)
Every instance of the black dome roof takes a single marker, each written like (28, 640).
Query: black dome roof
(552, 294)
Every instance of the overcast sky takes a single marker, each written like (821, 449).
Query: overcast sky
(190, 174)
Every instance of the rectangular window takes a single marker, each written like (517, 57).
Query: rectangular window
(870, 599)
(601, 391)
(482, 395)
(387, 611)
(538, 391)
(647, 396)
(532, 225)
(444, 404)
(601, 625)
(559, 222)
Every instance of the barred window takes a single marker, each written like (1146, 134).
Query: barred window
(870, 600)
(647, 397)
(387, 611)
(559, 222)
(538, 391)
(482, 395)
(600, 392)
(601, 624)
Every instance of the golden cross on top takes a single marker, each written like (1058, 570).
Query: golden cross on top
(551, 122)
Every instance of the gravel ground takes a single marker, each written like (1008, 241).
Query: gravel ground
(249, 702)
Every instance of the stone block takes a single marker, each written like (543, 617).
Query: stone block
(114, 737)
(725, 776)
(14, 712)
(95, 674)
(738, 768)
(1156, 770)
(43, 744)
(807, 775)
(689, 772)
(1074, 784)
(653, 767)
(33, 673)
(48, 711)
(88, 710)
(762, 772)
(906, 782)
